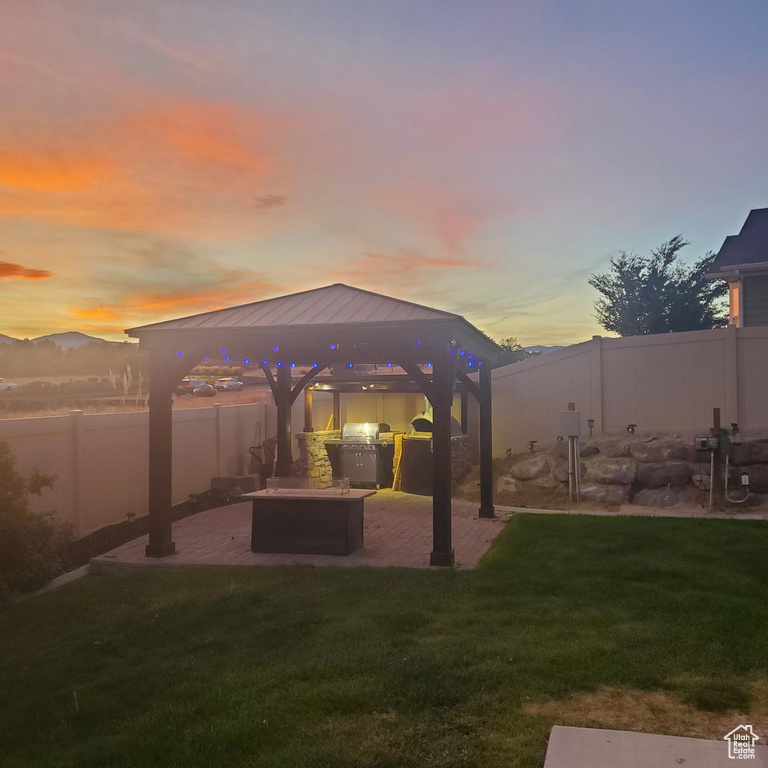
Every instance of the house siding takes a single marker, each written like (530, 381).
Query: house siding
(755, 300)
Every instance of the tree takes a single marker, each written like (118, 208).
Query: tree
(659, 293)
(34, 547)
(513, 351)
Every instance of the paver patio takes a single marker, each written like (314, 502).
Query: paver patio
(398, 532)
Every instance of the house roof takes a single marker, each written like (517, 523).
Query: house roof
(747, 249)
(336, 304)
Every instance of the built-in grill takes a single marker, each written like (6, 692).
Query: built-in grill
(366, 458)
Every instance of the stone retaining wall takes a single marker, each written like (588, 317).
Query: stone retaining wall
(656, 471)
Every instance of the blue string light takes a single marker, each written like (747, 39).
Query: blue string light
(350, 365)
(228, 358)
(418, 343)
(462, 353)
(180, 354)
(206, 358)
(314, 365)
(293, 365)
(265, 362)
(429, 365)
(389, 365)
(223, 351)
(333, 346)
(247, 361)
(279, 364)
(275, 349)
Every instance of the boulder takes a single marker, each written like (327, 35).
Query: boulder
(605, 494)
(667, 497)
(758, 479)
(750, 452)
(560, 470)
(612, 471)
(700, 481)
(613, 447)
(586, 449)
(506, 484)
(654, 450)
(530, 468)
(673, 473)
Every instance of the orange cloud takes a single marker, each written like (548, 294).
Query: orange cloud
(183, 167)
(153, 304)
(9, 270)
(50, 171)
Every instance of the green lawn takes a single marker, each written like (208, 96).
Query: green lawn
(343, 667)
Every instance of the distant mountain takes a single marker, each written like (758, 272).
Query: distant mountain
(71, 339)
(6, 339)
(539, 349)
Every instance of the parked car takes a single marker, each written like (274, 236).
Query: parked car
(7, 385)
(187, 386)
(229, 384)
(204, 390)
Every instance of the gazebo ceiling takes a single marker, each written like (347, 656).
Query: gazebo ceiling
(336, 324)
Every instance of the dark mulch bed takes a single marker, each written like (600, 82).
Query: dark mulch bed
(105, 539)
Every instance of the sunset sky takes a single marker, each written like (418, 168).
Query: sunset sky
(159, 159)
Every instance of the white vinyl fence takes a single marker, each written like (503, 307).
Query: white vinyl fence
(100, 461)
(665, 383)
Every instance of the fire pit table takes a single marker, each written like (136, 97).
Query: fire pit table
(291, 518)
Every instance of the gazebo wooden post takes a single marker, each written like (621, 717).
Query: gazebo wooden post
(443, 375)
(162, 381)
(464, 411)
(284, 459)
(486, 443)
(337, 410)
(308, 410)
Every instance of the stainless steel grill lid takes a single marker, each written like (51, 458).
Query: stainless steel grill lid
(360, 430)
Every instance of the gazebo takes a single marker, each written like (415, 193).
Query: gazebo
(334, 326)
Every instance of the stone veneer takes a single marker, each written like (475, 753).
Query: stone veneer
(313, 462)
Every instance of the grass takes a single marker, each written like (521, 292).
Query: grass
(394, 668)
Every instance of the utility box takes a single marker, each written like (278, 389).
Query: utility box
(569, 423)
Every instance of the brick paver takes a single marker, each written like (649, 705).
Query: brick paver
(398, 532)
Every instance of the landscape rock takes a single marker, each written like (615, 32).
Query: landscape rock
(613, 448)
(560, 470)
(605, 494)
(758, 479)
(586, 449)
(667, 497)
(700, 481)
(674, 473)
(506, 484)
(612, 471)
(656, 449)
(531, 468)
(750, 452)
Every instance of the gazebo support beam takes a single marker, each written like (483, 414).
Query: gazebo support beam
(283, 402)
(162, 381)
(441, 390)
(486, 444)
(482, 393)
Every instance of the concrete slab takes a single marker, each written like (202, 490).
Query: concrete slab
(598, 748)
